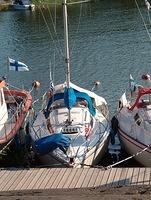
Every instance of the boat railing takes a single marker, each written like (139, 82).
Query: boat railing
(38, 133)
(13, 116)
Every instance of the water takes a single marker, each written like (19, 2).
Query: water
(107, 42)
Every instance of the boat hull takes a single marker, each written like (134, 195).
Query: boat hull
(92, 158)
(88, 128)
(132, 147)
(23, 7)
(17, 120)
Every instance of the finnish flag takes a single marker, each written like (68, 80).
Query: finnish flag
(51, 87)
(17, 65)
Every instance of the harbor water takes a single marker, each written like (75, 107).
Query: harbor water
(107, 40)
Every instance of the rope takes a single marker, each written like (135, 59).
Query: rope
(149, 17)
(57, 49)
(128, 158)
(117, 163)
(55, 31)
(143, 20)
(73, 46)
(1, 151)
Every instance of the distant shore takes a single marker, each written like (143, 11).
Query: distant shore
(6, 4)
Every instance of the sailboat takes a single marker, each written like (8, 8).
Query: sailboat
(73, 128)
(14, 109)
(23, 5)
(134, 121)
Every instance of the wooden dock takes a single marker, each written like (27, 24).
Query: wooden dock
(52, 178)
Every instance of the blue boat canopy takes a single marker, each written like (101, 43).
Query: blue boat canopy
(49, 143)
(71, 96)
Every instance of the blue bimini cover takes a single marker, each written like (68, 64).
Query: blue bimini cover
(47, 144)
(71, 96)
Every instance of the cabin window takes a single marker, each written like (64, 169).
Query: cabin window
(137, 119)
(145, 100)
(1, 98)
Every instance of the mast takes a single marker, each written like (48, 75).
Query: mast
(66, 40)
(67, 58)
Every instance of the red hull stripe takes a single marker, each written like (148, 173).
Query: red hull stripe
(132, 141)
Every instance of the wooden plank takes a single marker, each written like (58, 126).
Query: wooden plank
(129, 176)
(52, 178)
(76, 178)
(123, 175)
(36, 178)
(69, 179)
(7, 179)
(111, 177)
(147, 176)
(32, 180)
(11, 179)
(99, 178)
(58, 178)
(41, 179)
(45, 181)
(82, 177)
(64, 179)
(117, 177)
(94, 177)
(47, 177)
(4, 178)
(135, 176)
(105, 177)
(2, 172)
(18, 179)
(87, 178)
(19, 186)
(29, 179)
(140, 180)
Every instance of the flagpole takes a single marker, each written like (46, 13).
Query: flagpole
(7, 71)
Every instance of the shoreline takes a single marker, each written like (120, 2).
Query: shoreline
(141, 192)
(7, 4)
(4, 5)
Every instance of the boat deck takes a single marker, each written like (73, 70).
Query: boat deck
(52, 178)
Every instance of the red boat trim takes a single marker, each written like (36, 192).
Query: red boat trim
(132, 141)
(141, 92)
(27, 104)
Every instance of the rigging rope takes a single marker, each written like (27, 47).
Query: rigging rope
(73, 46)
(149, 17)
(54, 27)
(3, 149)
(121, 161)
(130, 157)
(51, 36)
(143, 20)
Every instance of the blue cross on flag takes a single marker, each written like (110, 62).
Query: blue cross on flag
(17, 65)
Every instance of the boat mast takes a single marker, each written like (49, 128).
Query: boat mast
(67, 58)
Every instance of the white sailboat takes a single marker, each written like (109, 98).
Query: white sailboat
(23, 5)
(134, 122)
(73, 129)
